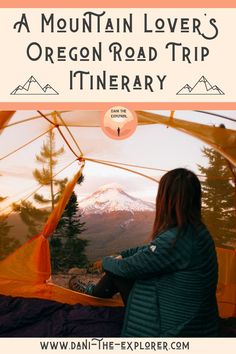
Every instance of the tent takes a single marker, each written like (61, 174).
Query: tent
(26, 272)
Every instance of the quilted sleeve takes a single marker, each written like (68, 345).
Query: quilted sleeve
(131, 251)
(161, 256)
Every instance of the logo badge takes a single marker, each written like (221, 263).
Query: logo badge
(119, 123)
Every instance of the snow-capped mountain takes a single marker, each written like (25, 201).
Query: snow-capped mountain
(185, 90)
(111, 198)
(202, 87)
(48, 89)
(32, 87)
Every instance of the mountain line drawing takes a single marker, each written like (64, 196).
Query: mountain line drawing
(33, 87)
(201, 87)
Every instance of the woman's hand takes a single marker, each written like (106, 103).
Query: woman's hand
(98, 264)
(118, 257)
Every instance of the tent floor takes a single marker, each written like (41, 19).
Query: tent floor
(31, 317)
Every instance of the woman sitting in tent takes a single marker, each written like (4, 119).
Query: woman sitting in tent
(168, 285)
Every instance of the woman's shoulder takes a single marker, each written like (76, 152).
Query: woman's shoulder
(188, 232)
(172, 232)
(167, 236)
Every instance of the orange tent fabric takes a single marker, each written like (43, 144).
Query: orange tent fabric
(222, 140)
(4, 117)
(226, 291)
(26, 272)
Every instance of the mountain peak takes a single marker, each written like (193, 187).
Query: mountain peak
(202, 78)
(112, 198)
(201, 87)
(108, 186)
(32, 87)
(32, 79)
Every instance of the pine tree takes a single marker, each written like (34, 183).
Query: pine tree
(45, 176)
(7, 244)
(68, 249)
(218, 197)
(31, 215)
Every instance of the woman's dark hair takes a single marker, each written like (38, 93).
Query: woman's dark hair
(178, 201)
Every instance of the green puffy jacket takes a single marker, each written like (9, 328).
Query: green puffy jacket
(174, 292)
